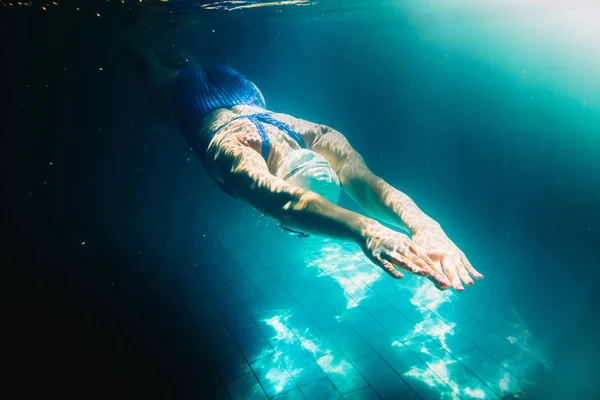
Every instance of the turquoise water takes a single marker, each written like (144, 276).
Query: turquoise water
(485, 113)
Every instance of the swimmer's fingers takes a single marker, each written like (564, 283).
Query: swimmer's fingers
(417, 267)
(437, 285)
(405, 263)
(472, 271)
(424, 261)
(417, 254)
(393, 261)
(463, 274)
(450, 269)
(387, 266)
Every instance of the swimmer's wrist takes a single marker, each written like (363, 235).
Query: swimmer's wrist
(355, 224)
(426, 225)
(361, 228)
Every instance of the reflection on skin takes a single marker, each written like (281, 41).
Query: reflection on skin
(447, 375)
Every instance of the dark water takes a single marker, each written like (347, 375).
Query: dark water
(497, 137)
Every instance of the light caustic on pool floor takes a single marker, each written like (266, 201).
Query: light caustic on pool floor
(434, 340)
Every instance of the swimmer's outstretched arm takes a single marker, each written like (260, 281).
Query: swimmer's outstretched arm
(382, 201)
(375, 196)
(246, 175)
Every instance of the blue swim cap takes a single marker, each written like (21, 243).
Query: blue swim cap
(197, 92)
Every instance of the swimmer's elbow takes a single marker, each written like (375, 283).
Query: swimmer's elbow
(299, 201)
(246, 175)
(270, 196)
(284, 205)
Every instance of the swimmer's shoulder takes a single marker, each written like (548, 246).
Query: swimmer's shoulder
(225, 129)
(310, 131)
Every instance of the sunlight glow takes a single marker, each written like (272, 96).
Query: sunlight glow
(546, 41)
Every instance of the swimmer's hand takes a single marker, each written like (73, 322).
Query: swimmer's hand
(446, 256)
(394, 251)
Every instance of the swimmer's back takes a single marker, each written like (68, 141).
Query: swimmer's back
(244, 131)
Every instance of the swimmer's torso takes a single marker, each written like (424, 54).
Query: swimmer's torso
(245, 132)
